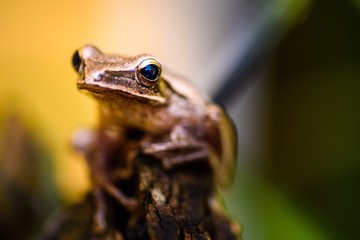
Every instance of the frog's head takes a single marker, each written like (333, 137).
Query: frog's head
(135, 78)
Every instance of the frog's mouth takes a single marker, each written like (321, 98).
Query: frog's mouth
(121, 88)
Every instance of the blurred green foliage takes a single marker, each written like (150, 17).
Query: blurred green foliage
(27, 190)
(306, 185)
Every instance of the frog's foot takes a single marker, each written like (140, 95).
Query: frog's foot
(169, 161)
(174, 154)
(176, 149)
(99, 218)
(99, 225)
(129, 203)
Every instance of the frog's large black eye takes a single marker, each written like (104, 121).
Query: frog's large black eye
(148, 72)
(77, 62)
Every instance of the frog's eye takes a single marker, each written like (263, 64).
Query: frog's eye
(79, 57)
(77, 62)
(148, 72)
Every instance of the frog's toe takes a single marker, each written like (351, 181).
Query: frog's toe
(83, 140)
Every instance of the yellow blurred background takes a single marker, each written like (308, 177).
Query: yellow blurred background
(37, 42)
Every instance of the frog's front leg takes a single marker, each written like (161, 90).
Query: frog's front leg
(176, 148)
(96, 147)
(85, 141)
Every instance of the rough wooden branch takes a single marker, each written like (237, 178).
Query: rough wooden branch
(176, 204)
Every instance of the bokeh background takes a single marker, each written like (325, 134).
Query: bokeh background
(288, 71)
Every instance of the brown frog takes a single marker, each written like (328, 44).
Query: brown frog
(144, 109)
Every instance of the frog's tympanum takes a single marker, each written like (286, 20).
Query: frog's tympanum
(146, 110)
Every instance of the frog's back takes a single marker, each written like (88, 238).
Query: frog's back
(181, 86)
(225, 162)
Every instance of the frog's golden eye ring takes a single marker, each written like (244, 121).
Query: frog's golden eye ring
(148, 72)
(77, 62)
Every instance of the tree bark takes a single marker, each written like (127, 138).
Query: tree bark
(175, 204)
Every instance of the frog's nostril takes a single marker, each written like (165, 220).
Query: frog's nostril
(76, 61)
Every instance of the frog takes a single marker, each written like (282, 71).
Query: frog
(146, 109)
